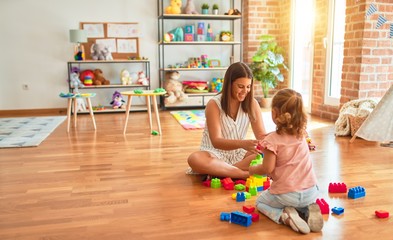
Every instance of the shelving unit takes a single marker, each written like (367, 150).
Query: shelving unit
(116, 66)
(226, 51)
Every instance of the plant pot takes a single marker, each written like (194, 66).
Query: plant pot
(205, 11)
(266, 102)
(215, 11)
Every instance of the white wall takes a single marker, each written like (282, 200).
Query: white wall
(35, 44)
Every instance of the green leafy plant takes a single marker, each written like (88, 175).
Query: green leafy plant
(205, 6)
(267, 64)
(215, 6)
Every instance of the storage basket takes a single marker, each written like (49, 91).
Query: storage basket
(355, 123)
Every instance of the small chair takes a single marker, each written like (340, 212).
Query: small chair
(74, 97)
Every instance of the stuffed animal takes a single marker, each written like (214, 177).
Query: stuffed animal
(174, 8)
(100, 52)
(175, 35)
(75, 82)
(142, 78)
(99, 78)
(190, 8)
(125, 77)
(117, 100)
(173, 87)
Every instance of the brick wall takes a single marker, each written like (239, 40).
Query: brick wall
(367, 68)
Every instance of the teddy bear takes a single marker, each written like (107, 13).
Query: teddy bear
(117, 100)
(173, 87)
(174, 8)
(100, 52)
(99, 78)
(125, 77)
(142, 80)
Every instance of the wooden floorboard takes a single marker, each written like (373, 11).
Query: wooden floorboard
(103, 185)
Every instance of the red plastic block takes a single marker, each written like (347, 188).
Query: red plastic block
(254, 217)
(323, 205)
(382, 214)
(240, 182)
(228, 184)
(337, 188)
(248, 209)
(207, 183)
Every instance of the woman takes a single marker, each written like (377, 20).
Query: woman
(225, 151)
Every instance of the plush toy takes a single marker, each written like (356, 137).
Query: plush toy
(175, 35)
(142, 78)
(100, 52)
(75, 82)
(190, 8)
(99, 78)
(173, 87)
(125, 77)
(174, 8)
(117, 100)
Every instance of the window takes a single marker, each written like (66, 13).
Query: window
(335, 51)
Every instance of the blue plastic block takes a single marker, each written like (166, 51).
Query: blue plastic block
(224, 216)
(356, 192)
(240, 197)
(338, 210)
(241, 218)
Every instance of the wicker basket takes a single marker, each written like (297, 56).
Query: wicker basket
(355, 123)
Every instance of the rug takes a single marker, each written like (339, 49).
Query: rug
(190, 119)
(28, 131)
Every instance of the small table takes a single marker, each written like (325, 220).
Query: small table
(74, 97)
(147, 94)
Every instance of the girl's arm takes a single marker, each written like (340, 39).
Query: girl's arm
(212, 113)
(267, 166)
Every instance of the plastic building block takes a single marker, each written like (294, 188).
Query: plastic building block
(248, 209)
(216, 183)
(382, 214)
(356, 192)
(154, 132)
(248, 195)
(227, 183)
(337, 188)
(240, 181)
(240, 197)
(253, 190)
(224, 216)
(240, 218)
(207, 183)
(240, 187)
(338, 210)
(254, 217)
(323, 206)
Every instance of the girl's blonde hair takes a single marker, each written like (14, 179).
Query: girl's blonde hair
(291, 115)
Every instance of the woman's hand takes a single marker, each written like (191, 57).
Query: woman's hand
(250, 146)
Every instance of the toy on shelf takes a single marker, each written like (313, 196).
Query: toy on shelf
(125, 77)
(201, 32)
(337, 188)
(117, 100)
(381, 214)
(225, 36)
(233, 11)
(323, 205)
(356, 192)
(174, 7)
(75, 82)
(190, 8)
(142, 80)
(99, 78)
(216, 84)
(195, 86)
(209, 34)
(175, 35)
(87, 77)
(100, 52)
(173, 87)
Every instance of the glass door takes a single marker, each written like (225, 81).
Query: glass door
(302, 36)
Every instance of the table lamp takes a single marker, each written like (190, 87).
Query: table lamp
(78, 36)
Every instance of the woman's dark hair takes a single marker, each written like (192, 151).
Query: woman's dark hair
(235, 71)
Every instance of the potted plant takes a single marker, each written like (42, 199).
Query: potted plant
(215, 9)
(267, 64)
(205, 8)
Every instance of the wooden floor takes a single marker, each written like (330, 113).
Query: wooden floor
(103, 185)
